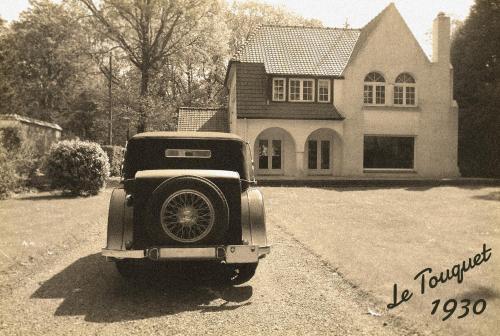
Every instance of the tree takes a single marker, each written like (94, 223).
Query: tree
(475, 56)
(43, 58)
(150, 32)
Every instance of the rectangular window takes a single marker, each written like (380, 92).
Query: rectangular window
(276, 157)
(410, 95)
(312, 154)
(263, 154)
(325, 154)
(324, 90)
(301, 90)
(398, 95)
(278, 89)
(386, 152)
(379, 94)
(308, 90)
(294, 90)
(188, 153)
(368, 94)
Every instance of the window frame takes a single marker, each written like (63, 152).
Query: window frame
(270, 170)
(392, 170)
(319, 146)
(374, 86)
(404, 86)
(284, 89)
(301, 87)
(329, 86)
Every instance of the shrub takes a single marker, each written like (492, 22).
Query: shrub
(79, 167)
(12, 138)
(115, 155)
(8, 176)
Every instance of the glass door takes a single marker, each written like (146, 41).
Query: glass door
(270, 160)
(319, 156)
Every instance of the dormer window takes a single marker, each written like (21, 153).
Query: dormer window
(405, 91)
(374, 89)
(301, 90)
(324, 90)
(279, 89)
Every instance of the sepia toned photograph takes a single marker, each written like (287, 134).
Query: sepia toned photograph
(249, 167)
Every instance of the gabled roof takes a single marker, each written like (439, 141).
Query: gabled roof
(202, 119)
(293, 50)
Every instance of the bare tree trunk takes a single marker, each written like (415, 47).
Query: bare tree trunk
(142, 123)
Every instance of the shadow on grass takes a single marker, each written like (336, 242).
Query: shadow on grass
(493, 196)
(480, 293)
(47, 197)
(92, 287)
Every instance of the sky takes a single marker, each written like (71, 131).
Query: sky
(418, 14)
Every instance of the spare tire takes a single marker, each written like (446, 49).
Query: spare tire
(188, 210)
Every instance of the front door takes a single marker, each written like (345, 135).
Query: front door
(319, 158)
(270, 156)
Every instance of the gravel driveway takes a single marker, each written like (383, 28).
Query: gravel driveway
(294, 293)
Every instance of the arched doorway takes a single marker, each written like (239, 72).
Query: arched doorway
(323, 153)
(274, 152)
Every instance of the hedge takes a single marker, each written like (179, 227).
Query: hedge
(115, 156)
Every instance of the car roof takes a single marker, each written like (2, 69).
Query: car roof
(187, 135)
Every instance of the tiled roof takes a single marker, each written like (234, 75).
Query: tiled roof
(290, 50)
(202, 119)
(28, 120)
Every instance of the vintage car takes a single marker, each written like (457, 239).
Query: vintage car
(187, 196)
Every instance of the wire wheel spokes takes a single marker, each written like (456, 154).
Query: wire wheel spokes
(187, 216)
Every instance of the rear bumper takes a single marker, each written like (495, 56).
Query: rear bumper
(230, 254)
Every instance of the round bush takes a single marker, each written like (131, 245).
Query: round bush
(79, 167)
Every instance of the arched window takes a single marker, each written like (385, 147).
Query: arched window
(374, 89)
(405, 91)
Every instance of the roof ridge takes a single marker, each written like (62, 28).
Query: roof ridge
(247, 41)
(308, 27)
(202, 108)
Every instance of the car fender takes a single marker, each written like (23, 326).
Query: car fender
(253, 217)
(120, 221)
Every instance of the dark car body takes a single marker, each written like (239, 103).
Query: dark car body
(187, 196)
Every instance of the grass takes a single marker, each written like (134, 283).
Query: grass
(378, 237)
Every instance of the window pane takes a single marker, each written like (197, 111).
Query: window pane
(325, 154)
(323, 90)
(294, 90)
(276, 154)
(379, 94)
(263, 154)
(388, 152)
(368, 94)
(398, 95)
(410, 95)
(307, 90)
(278, 89)
(312, 154)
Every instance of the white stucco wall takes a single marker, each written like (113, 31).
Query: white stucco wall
(391, 49)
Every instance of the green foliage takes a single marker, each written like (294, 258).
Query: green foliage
(8, 176)
(12, 138)
(20, 152)
(79, 167)
(475, 57)
(115, 155)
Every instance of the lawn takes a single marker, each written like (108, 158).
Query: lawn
(35, 226)
(378, 237)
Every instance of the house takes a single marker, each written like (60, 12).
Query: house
(41, 133)
(337, 102)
